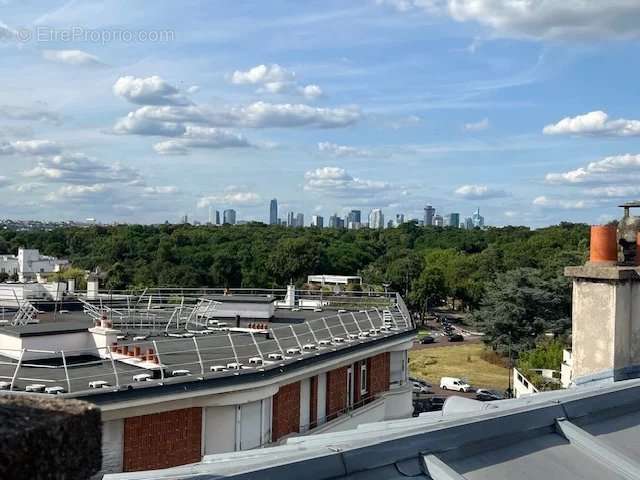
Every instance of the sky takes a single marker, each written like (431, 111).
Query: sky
(141, 112)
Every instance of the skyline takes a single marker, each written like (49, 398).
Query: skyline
(387, 104)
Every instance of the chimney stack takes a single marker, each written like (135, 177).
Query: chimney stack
(606, 304)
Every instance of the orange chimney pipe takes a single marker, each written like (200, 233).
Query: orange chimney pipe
(604, 244)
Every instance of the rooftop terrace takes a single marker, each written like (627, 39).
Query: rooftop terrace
(174, 339)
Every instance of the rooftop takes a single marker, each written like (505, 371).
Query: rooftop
(583, 433)
(181, 344)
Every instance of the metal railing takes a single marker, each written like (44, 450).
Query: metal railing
(211, 352)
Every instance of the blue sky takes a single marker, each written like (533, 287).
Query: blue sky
(144, 111)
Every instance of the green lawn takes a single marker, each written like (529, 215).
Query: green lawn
(462, 360)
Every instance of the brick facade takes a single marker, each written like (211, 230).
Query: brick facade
(336, 392)
(378, 373)
(162, 440)
(286, 411)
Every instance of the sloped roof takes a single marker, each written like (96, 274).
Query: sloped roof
(584, 433)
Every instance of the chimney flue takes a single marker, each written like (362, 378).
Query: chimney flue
(604, 245)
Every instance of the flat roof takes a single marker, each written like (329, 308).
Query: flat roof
(241, 298)
(46, 328)
(199, 349)
(582, 433)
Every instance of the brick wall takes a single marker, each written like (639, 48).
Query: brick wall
(162, 440)
(378, 373)
(336, 391)
(286, 411)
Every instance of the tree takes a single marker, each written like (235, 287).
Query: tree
(520, 305)
(428, 290)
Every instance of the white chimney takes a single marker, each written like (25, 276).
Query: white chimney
(290, 298)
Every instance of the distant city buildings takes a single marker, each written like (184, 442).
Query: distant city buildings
(429, 213)
(229, 216)
(399, 219)
(376, 219)
(300, 220)
(438, 221)
(273, 212)
(453, 220)
(317, 221)
(477, 219)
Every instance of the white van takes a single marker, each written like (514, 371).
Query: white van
(452, 383)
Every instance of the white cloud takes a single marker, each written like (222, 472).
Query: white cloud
(136, 123)
(161, 190)
(270, 115)
(311, 92)
(262, 74)
(168, 120)
(477, 126)
(29, 147)
(342, 150)
(539, 19)
(614, 168)
(614, 191)
(148, 91)
(595, 123)
(79, 169)
(231, 198)
(72, 57)
(76, 191)
(478, 192)
(546, 202)
(4, 181)
(22, 113)
(337, 182)
(201, 137)
(275, 79)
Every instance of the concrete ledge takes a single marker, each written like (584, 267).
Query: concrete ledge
(44, 437)
(603, 272)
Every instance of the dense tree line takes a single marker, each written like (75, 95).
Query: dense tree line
(473, 268)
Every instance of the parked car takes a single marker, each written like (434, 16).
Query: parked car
(427, 339)
(485, 395)
(456, 337)
(421, 389)
(437, 403)
(452, 383)
(420, 381)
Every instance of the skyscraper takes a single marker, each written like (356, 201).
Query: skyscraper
(291, 219)
(300, 220)
(229, 216)
(477, 219)
(438, 221)
(317, 221)
(468, 223)
(354, 219)
(399, 219)
(273, 212)
(217, 217)
(453, 220)
(429, 212)
(376, 218)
